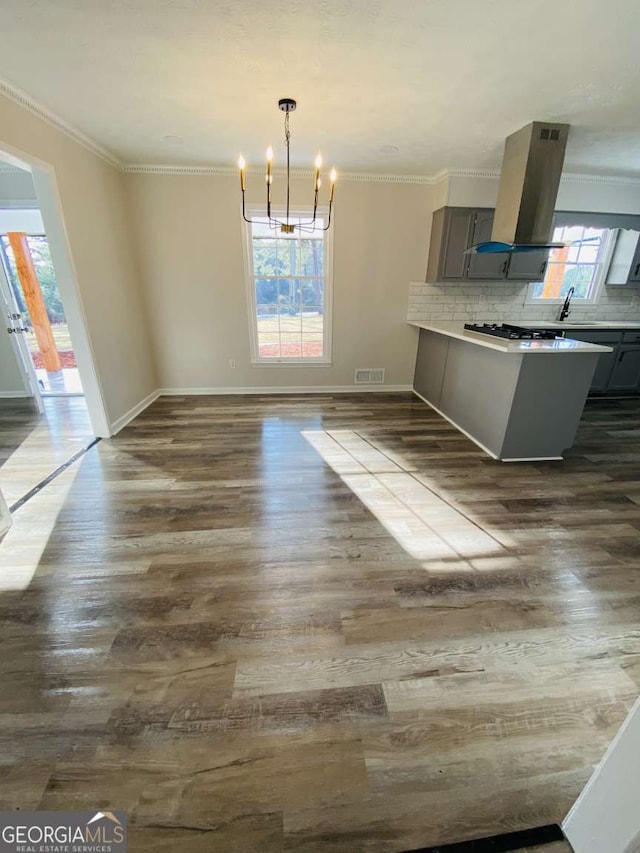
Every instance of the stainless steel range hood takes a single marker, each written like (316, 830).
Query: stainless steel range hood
(529, 181)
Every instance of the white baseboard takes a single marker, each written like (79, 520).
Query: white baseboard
(279, 389)
(14, 395)
(121, 422)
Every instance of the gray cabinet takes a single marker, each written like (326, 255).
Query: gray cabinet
(491, 266)
(528, 266)
(451, 232)
(625, 261)
(625, 375)
(618, 371)
(606, 360)
(634, 272)
(600, 381)
(456, 229)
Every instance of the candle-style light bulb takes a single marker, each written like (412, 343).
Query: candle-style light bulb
(316, 177)
(333, 176)
(269, 159)
(241, 165)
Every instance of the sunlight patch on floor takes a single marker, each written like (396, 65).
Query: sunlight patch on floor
(424, 524)
(49, 444)
(26, 540)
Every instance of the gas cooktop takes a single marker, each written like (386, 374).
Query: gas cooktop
(512, 333)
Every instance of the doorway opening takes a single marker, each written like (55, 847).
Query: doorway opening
(30, 275)
(29, 188)
(51, 403)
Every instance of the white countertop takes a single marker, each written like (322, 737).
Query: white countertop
(457, 330)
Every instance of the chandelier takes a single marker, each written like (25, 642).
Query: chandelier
(288, 105)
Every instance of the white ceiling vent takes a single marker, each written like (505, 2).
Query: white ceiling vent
(370, 376)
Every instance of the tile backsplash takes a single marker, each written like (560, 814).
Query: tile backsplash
(504, 301)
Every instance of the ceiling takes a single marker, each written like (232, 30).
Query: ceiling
(383, 86)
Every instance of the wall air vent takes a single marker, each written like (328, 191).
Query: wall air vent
(369, 376)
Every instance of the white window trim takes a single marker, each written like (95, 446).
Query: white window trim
(273, 361)
(597, 287)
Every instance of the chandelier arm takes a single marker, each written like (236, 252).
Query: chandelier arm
(328, 225)
(244, 215)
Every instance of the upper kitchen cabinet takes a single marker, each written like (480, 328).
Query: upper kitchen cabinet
(625, 263)
(451, 232)
(456, 229)
(528, 266)
(489, 265)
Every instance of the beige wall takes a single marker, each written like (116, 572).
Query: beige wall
(98, 227)
(189, 233)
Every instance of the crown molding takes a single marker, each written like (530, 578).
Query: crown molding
(231, 171)
(584, 178)
(470, 173)
(168, 169)
(367, 177)
(21, 98)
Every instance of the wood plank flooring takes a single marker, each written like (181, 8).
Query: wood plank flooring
(225, 629)
(32, 446)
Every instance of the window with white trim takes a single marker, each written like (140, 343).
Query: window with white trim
(289, 279)
(582, 264)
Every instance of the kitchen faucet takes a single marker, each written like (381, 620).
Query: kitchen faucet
(564, 311)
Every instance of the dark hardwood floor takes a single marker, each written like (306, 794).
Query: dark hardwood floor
(320, 624)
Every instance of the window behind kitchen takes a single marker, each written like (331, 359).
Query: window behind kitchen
(289, 293)
(580, 264)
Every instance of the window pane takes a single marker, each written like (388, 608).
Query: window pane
(265, 258)
(266, 291)
(580, 277)
(268, 331)
(311, 257)
(312, 291)
(313, 332)
(589, 253)
(288, 256)
(312, 320)
(291, 345)
(289, 321)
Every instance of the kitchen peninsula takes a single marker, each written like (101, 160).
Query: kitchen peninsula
(518, 400)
